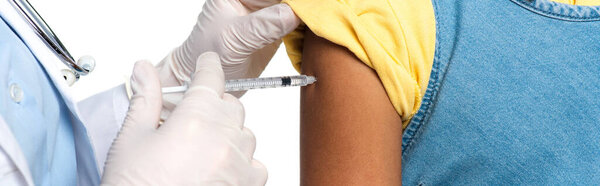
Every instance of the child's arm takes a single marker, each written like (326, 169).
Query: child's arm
(350, 133)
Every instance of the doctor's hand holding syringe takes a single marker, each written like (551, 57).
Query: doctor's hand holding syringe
(202, 140)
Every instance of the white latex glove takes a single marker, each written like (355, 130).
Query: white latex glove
(203, 142)
(245, 33)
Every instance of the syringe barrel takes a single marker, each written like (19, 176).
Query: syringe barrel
(260, 83)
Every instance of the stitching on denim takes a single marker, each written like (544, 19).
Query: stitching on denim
(418, 119)
(554, 15)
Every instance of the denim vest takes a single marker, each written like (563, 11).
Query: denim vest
(513, 97)
(40, 120)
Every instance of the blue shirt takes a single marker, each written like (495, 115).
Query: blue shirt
(35, 113)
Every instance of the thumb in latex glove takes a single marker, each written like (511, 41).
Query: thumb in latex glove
(203, 142)
(244, 38)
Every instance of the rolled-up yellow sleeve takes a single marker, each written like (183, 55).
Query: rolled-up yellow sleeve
(396, 38)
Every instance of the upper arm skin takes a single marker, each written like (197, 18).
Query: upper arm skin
(350, 134)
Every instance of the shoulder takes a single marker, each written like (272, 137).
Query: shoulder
(353, 23)
(396, 38)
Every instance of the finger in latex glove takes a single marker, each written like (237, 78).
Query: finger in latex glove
(245, 39)
(203, 142)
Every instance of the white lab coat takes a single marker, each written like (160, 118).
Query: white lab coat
(101, 114)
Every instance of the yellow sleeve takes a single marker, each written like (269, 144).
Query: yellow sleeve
(396, 38)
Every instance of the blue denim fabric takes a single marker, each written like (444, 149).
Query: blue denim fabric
(513, 97)
(41, 122)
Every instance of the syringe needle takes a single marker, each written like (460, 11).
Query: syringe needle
(255, 83)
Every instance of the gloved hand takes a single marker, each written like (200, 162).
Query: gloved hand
(243, 32)
(203, 142)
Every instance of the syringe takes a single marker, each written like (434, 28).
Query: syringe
(255, 83)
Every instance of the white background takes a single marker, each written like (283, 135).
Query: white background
(119, 32)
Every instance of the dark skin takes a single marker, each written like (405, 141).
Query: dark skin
(350, 134)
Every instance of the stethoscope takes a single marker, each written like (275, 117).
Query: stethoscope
(78, 68)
